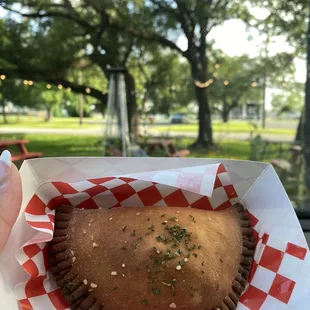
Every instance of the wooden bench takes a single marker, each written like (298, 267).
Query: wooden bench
(289, 170)
(167, 146)
(21, 145)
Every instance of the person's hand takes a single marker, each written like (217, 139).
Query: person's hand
(10, 196)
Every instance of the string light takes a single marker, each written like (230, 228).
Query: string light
(254, 84)
(48, 86)
(202, 85)
(2, 77)
(226, 82)
(68, 89)
(284, 84)
(87, 90)
(211, 81)
(25, 82)
(59, 86)
(30, 83)
(214, 74)
(217, 66)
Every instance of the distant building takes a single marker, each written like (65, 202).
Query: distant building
(250, 111)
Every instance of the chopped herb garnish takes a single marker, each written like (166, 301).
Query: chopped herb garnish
(163, 239)
(144, 302)
(156, 291)
(173, 290)
(174, 218)
(151, 228)
(124, 228)
(174, 281)
(179, 251)
(181, 263)
(195, 254)
(133, 234)
(192, 218)
(199, 247)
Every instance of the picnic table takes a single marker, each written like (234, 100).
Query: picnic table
(22, 153)
(165, 145)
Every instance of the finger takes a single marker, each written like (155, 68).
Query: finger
(10, 196)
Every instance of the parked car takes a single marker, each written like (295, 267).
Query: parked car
(179, 118)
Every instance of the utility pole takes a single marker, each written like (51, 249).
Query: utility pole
(265, 77)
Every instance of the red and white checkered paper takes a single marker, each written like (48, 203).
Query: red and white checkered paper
(276, 274)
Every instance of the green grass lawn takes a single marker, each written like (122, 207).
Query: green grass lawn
(39, 122)
(73, 122)
(64, 145)
(232, 127)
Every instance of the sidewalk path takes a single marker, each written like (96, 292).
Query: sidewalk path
(99, 132)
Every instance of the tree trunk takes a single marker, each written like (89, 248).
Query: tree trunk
(4, 113)
(131, 106)
(306, 121)
(298, 131)
(225, 115)
(204, 112)
(49, 114)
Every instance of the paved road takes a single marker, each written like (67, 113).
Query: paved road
(100, 131)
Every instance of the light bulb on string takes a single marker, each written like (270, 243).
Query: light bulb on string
(88, 90)
(48, 86)
(217, 66)
(254, 84)
(284, 84)
(226, 82)
(210, 81)
(202, 85)
(59, 86)
(30, 83)
(26, 82)
(214, 74)
(2, 77)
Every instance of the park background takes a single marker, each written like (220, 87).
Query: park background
(225, 79)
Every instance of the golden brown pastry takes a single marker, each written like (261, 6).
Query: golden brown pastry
(151, 258)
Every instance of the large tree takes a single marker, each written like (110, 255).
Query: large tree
(162, 79)
(64, 36)
(165, 21)
(291, 18)
(290, 100)
(237, 82)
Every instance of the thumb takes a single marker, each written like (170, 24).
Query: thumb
(10, 196)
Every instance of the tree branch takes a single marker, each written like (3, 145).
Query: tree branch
(187, 28)
(68, 4)
(79, 21)
(149, 37)
(128, 52)
(164, 7)
(38, 77)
